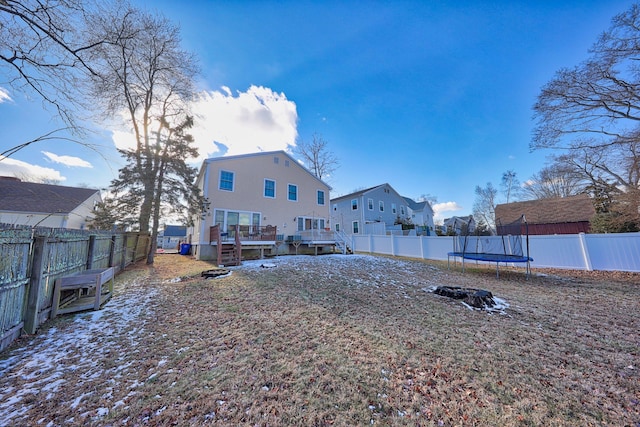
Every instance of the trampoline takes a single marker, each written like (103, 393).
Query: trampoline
(507, 247)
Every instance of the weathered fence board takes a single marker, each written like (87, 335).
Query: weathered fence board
(32, 259)
(14, 278)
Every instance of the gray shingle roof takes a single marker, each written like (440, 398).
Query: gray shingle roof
(18, 196)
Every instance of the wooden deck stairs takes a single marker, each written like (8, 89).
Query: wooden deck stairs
(229, 251)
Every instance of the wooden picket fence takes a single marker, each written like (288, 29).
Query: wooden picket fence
(31, 259)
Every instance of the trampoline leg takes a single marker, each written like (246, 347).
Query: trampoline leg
(497, 270)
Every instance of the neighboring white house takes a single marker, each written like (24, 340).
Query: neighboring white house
(421, 216)
(369, 208)
(44, 205)
(257, 190)
(171, 236)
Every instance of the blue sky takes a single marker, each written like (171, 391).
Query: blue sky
(432, 97)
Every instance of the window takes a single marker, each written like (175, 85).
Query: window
(227, 220)
(354, 204)
(335, 207)
(393, 208)
(370, 204)
(226, 180)
(337, 227)
(269, 188)
(276, 160)
(402, 209)
(293, 192)
(355, 227)
(381, 206)
(321, 197)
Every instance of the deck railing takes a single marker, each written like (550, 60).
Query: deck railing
(249, 233)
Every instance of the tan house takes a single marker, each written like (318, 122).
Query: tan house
(44, 205)
(261, 201)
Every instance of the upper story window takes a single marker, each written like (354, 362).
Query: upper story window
(293, 192)
(226, 180)
(393, 208)
(381, 206)
(354, 204)
(370, 204)
(402, 209)
(320, 197)
(269, 188)
(276, 160)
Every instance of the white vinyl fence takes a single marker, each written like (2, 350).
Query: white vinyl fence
(614, 252)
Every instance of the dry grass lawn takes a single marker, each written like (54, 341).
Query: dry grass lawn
(337, 340)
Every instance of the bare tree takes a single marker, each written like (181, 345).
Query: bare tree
(44, 54)
(593, 112)
(558, 179)
(316, 155)
(484, 207)
(597, 103)
(145, 74)
(510, 185)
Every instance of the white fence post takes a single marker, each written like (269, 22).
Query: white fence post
(585, 252)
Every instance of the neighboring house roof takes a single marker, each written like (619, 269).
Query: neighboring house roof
(548, 211)
(18, 196)
(364, 191)
(175, 231)
(417, 206)
(262, 153)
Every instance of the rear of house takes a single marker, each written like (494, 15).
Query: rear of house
(268, 189)
(369, 211)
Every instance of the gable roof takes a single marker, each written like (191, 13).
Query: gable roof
(206, 162)
(548, 211)
(417, 206)
(365, 191)
(175, 231)
(18, 196)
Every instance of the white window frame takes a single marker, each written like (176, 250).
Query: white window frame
(370, 204)
(394, 210)
(324, 197)
(354, 204)
(355, 227)
(381, 205)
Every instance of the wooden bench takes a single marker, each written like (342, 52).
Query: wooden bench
(88, 291)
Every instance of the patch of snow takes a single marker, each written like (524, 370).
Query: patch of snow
(46, 362)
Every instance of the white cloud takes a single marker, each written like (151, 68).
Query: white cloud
(439, 210)
(252, 121)
(68, 160)
(256, 120)
(4, 95)
(27, 171)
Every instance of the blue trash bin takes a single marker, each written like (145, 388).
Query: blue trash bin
(185, 249)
